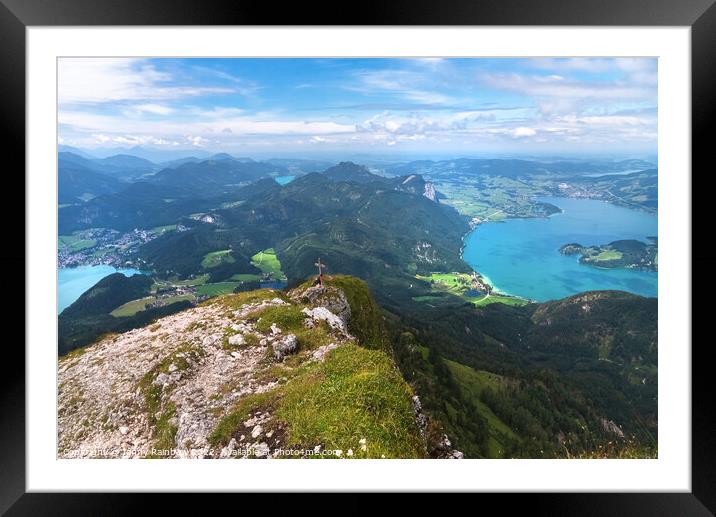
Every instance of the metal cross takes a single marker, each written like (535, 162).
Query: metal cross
(320, 266)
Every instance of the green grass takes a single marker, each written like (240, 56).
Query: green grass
(491, 198)
(163, 229)
(198, 280)
(454, 283)
(498, 298)
(238, 300)
(355, 394)
(216, 258)
(290, 320)
(165, 432)
(131, 308)
(458, 284)
(268, 262)
(424, 352)
(287, 318)
(245, 277)
(472, 382)
(427, 298)
(607, 255)
(366, 322)
(74, 243)
(216, 289)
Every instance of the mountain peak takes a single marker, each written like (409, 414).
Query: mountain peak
(349, 171)
(267, 372)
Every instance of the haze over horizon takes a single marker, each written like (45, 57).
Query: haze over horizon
(332, 108)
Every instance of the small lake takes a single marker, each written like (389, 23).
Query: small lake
(273, 284)
(521, 256)
(73, 281)
(284, 180)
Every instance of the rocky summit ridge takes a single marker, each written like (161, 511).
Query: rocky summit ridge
(264, 373)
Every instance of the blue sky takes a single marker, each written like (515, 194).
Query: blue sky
(309, 107)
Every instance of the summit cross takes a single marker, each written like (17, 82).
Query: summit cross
(320, 266)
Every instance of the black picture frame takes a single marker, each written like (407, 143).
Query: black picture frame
(700, 15)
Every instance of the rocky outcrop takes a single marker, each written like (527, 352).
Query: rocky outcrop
(231, 377)
(437, 443)
(161, 390)
(323, 314)
(284, 346)
(327, 297)
(430, 192)
(444, 450)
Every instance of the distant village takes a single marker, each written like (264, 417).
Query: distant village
(103, 246)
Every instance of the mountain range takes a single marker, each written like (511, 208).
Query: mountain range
(565, 378)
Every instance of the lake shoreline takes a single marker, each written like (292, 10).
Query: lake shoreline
(73, 281)
(639, 286)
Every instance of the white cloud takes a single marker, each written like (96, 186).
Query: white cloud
(102, 138)
(197, 141)
(581, 64)
(637, 70)
(155, 109)
(83, 121)
(100, 80)
(520, 132)
(421, 99)
(560, 88)
(409, 85)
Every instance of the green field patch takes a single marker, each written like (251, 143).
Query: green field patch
(607, 255)
(498, 298)
(428, 298)
(455, 283)
(74, 243)
(238, 300)
(216, 258)
(464, 286)
(133, 307)
(217, 289)
(245, 277)
(158, 230)
(268, 262)
(187, 282)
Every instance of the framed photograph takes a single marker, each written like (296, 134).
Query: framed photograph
(400, 238)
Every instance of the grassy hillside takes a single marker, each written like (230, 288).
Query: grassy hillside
(331, 395)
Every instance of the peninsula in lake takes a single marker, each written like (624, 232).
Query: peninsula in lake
(629, 254)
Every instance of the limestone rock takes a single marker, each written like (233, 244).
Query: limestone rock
(321, 351)
(285, 346)
(323, 314)
(329, 297)
(236, 340)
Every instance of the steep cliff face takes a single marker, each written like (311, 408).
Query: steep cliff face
(258, 374)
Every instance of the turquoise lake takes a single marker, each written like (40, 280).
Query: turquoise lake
(284, 180)
(521, 256)
(73, 281)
